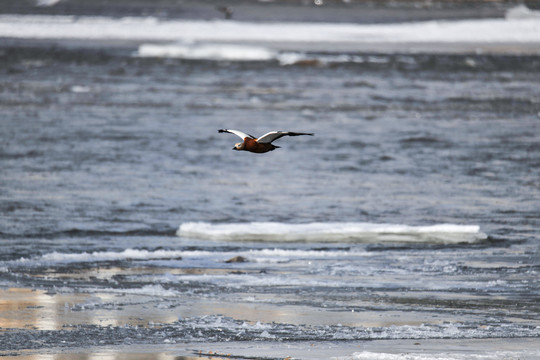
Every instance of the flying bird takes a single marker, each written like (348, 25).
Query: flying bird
(262, 144)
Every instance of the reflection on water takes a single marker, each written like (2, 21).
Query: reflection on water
(104, 356)
(39, 310)
(34, 309)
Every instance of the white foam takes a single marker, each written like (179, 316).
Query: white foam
(332, 232)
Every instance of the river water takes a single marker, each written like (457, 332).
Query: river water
(126, 218)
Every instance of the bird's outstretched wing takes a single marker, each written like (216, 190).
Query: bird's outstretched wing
(274, 135)
(241, 134)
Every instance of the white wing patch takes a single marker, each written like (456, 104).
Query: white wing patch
(241, 134)
(266, 138)
(271, 136)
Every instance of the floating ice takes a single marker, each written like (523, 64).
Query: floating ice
(148, 290)
(46, 3)
(127, 254)
(522, 12)
(80, 89)
(332, 232)
(208, 329)
(448, 355)
(207, 52)
(520, 26)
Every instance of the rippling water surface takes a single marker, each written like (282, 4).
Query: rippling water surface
(106, 157)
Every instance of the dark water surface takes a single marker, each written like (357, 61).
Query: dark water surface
(95, 143)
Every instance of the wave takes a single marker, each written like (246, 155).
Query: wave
(333, 232)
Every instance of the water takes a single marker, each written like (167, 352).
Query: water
(412, 214)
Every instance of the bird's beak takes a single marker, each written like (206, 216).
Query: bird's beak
(234, 148)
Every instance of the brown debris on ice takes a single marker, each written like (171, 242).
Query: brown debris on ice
(237, 259)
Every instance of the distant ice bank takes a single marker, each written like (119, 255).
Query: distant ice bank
(261, 41)
(333, 232)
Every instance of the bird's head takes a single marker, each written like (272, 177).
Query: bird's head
(238, 146)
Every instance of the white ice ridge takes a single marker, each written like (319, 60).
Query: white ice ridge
(127, 254)
(332, 232)
(518, 27)
(487, 354)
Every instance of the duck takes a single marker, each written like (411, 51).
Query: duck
(261, 144)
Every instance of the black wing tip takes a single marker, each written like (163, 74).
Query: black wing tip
(297, 134)
(222, 130)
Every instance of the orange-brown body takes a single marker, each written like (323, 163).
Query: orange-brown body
(253, 146)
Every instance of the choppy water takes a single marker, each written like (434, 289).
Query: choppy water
(106, 157)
